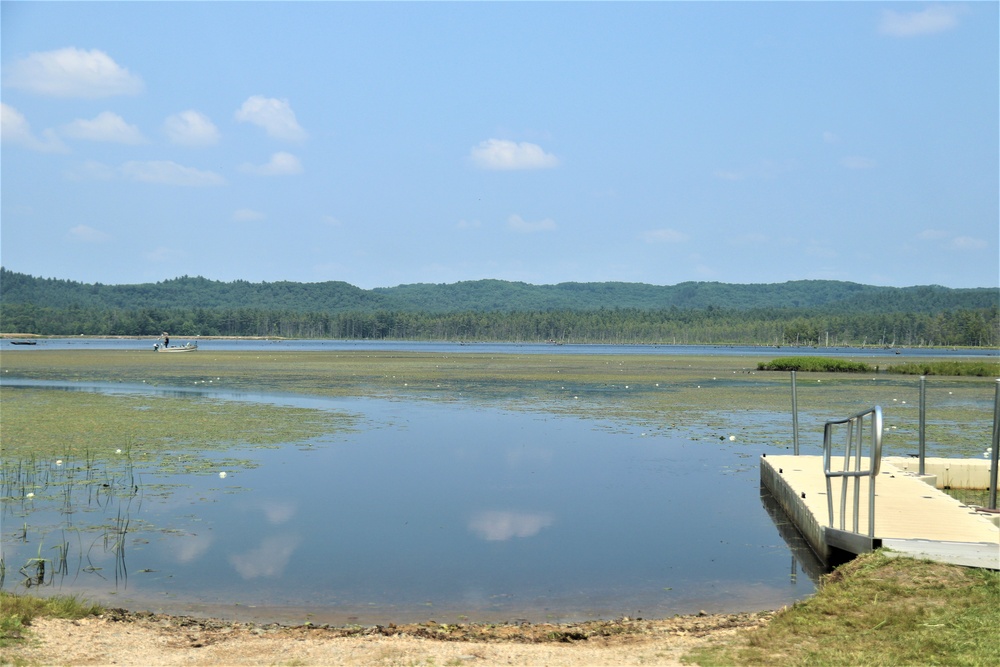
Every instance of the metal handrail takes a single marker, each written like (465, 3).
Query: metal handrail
(852, 459)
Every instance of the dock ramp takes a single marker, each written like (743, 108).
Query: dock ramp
(855, 503)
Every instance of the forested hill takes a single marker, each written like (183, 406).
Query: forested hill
(488, 296)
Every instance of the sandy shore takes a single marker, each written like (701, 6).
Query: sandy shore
(120, 637)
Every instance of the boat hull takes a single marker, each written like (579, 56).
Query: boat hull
(190, 347)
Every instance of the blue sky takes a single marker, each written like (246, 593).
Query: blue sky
(384, 143)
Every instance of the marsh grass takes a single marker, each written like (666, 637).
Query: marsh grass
(701, 396)
(816, 365)
(948, 367)
(74, 424)
(878, 610)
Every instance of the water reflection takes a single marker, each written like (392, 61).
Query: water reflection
(499, 526)
(433, 509)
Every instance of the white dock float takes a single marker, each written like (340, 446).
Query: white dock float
(911, 516)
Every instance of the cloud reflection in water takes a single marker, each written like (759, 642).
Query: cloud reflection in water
(267, 560)
(495, 526)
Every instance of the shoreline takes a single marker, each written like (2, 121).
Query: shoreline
(151, 337)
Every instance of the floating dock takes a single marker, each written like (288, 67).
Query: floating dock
(911, 516)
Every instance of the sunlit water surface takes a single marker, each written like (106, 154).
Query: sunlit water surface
(444, 510)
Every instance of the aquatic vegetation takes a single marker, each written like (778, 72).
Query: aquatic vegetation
(815, 364)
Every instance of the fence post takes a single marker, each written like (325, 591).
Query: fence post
(995, 450)
(795, 419)
(923, 422)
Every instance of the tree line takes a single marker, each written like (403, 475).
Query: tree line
(772, 326)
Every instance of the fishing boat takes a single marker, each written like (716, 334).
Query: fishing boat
(23, 342)
(187, 347)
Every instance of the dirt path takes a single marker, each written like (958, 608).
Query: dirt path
(151, 640)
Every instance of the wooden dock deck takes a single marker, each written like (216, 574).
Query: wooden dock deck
(911, 516)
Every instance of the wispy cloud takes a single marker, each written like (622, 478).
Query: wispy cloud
(949, 240)
(191, 128)
(765, 169)
(166, 172)
(162, 254)
(87, 234)
(504, 155)
(518, 224)
(72, 72)
(858, 162)
(933, 19)
(729, 175)
(664, 235)
(247, 215)
(92, 170)
(15, 129)
(280, 164)
(106, 126)
(274, 115)
(967, 243)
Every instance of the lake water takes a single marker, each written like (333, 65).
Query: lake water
(500, 348)
(450, 510)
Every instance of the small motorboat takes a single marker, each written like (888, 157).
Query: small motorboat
(187, 347)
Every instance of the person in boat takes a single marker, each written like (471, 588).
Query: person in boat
(166, 339)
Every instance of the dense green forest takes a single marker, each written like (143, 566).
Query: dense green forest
(799, 312)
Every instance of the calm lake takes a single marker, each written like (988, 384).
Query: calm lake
(453, 507)
(449, 510)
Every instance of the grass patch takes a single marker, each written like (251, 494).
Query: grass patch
(953, 368)
(878, 610)
(74, 424)
(18, 611)
(815, 365)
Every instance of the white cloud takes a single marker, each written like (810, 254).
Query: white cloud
(72, 72)
(14, 129)
(331, 221)
(932, 235)
(858, 162)
(169, 173)
(664, 236)
(86, 234)
(518, 224)
(247, 215)
(967, 243)
(830, 137)
(106, 126)
(274, 115)
(281, 164)
(502, 526)
(936, 18)
(468, 224)
(191, 128)
(501, 154)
